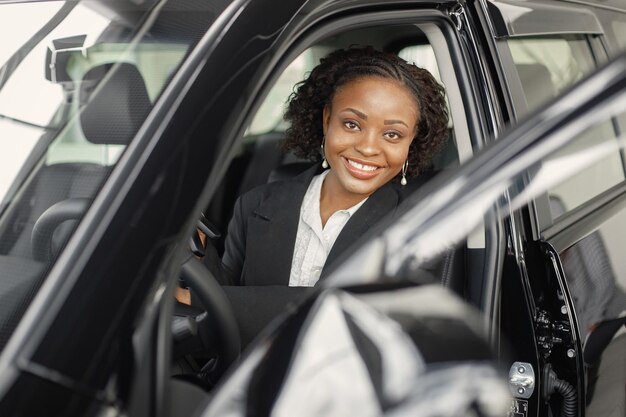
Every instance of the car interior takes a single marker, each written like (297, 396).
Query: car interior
(260, 158)
(106, 102)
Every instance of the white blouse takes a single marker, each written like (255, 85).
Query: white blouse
(313, 243)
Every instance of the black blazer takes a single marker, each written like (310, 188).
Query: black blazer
(262, 232)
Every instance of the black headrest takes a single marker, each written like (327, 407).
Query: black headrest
(117, 104)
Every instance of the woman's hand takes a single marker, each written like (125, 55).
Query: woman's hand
(183, 296)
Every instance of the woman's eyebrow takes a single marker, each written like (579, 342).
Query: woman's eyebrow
(358, 113)
(393, 122)
(364, 117)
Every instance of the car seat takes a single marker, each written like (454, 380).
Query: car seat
(118, 104)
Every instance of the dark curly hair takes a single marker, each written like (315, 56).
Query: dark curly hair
(306, 104)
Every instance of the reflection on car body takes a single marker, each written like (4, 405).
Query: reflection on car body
(151, 112)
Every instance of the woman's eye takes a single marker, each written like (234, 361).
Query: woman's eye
(351, 125)
(392, 135)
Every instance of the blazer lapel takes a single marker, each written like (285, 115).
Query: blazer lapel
(272, 229)
(383, 202)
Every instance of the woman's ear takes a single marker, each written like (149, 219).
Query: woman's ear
(326, 118)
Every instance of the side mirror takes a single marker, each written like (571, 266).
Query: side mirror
(59, 54)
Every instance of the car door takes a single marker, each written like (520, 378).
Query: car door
(579, 224)
(542, 56)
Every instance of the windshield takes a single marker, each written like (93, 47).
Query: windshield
(77, 80)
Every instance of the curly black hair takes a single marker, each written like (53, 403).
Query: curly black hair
(306, 104)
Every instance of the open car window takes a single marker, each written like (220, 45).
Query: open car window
(259, 158)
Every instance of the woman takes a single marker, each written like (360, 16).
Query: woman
(373, 122)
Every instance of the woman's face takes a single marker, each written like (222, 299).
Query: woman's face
(368, 129)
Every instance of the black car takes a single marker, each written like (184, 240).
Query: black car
(122, 122)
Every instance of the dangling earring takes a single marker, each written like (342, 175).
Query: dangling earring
(324, 161)
(404, 168)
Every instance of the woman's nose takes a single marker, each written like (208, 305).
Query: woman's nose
(367, 144)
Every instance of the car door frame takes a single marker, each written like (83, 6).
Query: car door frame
(534, 226)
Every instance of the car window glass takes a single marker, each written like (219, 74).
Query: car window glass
(25, 117)
(619, 27)
(269, 117)
(404, 248)
(31, 17)
(155, 63)
(78, 80)
(584, 184)
(13, 102)
(546, 67)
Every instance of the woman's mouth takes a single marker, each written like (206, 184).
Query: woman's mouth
(360, 170)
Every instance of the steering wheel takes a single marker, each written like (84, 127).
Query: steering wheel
(220, 315)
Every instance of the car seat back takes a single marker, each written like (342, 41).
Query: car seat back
(117, 103)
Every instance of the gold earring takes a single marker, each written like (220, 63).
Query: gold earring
(404, 168)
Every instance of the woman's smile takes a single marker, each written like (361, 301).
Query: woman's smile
(360, 169)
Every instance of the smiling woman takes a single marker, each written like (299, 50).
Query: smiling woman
(365, 148)
(373, 121)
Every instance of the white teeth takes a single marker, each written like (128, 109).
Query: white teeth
(361, 166)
